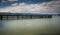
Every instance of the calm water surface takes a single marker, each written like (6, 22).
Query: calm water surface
(45, 26)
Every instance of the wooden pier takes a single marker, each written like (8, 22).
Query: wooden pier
(13, 16)
(8, 16)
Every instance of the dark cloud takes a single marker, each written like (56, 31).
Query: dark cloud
(26, 1)
(5, 3)
(33, 1)
(43, 7)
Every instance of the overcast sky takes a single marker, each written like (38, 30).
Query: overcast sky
(30, 6)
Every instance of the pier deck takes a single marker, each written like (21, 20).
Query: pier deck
(8, 16)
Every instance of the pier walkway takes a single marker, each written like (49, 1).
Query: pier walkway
(8, 16)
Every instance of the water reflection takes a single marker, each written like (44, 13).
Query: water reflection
(31, 26)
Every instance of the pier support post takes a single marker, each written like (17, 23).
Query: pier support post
(17, 17)
(30, 16)
(0, 17)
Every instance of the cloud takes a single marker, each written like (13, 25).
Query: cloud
(12, 0)
(43, 8)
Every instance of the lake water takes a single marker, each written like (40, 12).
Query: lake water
(44, 26)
